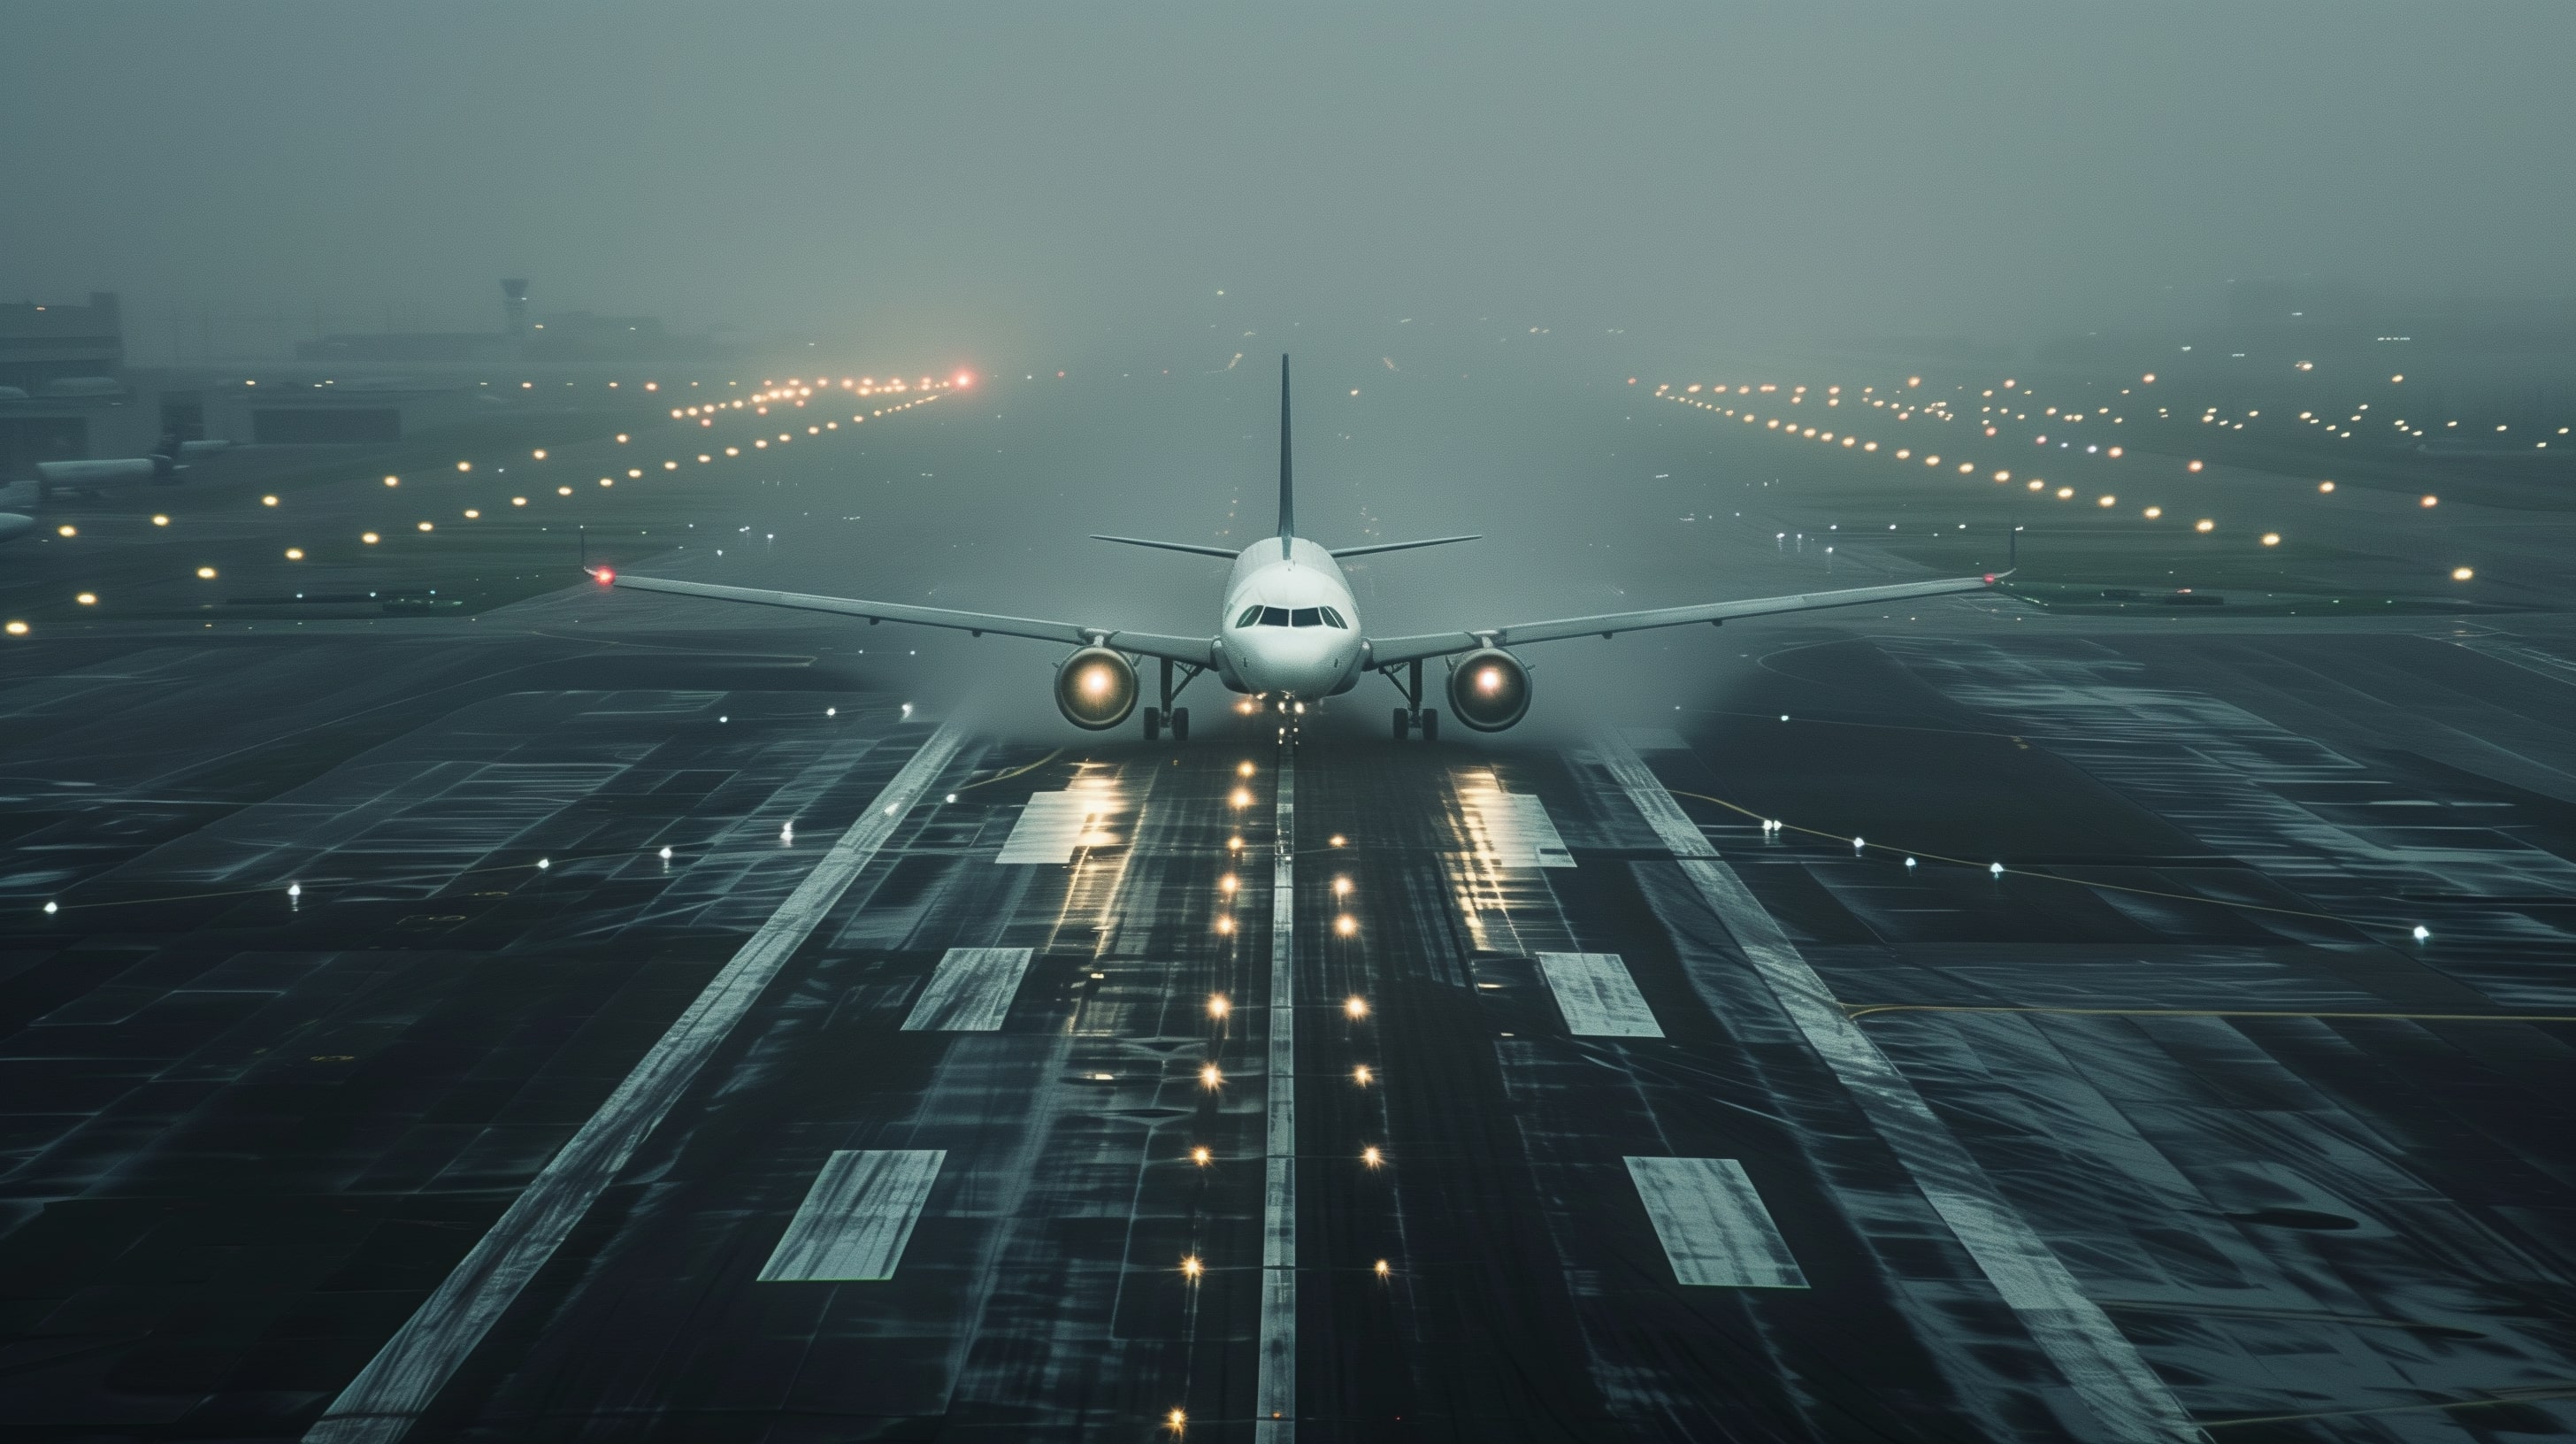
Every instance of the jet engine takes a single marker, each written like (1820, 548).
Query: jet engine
(1096, 688)
(1489, 690)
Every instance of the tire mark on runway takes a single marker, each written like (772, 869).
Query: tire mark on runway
(405, 1376)
(1275, 1393)
(2104, 1368)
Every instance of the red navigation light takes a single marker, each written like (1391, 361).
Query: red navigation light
(608, 576)
(965, 378)
(1990, 579)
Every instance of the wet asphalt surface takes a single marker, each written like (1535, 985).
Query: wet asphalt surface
(2313, 1172)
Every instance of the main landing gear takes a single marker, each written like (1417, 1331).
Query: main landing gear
(1175, 719)
(1413, 714)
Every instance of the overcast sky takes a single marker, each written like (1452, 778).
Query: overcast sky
(1011, 180)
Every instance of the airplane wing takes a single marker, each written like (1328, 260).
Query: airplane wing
(1196, 651)
(1388, 651)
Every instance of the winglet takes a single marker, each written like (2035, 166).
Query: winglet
(1287, 491)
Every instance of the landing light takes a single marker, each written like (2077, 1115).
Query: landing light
(1356, 1007)
(1210, 1077)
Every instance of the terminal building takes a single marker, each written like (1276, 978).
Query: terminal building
(67, 393)
(63, 388)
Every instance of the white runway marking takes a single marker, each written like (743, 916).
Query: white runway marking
(1714, 1227)
(388, 1396)
(1513, 829)
(1597, 997)
(856, 1218)
(970, 992)
(2128, 1398)
(1056, 823)
(1274, 1391)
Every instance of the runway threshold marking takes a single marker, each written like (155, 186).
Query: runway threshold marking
(1513, 827)
(856, 1218)
(1597, 996)
(2099, 1362)
(1713, 1225)
(1055, 824)
(1275, 1388)
(970, 991)
(405, 1376)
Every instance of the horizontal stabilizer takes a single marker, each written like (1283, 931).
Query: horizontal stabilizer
(1229, 553)
(1376, 547)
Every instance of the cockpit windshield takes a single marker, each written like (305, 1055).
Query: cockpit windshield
(1260, 616)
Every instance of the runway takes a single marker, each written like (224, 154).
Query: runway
(2064, 1065)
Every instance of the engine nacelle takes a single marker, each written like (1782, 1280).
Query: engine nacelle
(1096, 689)
(1489, 690)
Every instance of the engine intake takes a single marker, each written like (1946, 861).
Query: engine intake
(1096, 689)
(1489, 690)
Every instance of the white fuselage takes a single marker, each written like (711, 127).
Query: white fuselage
(1289, 626)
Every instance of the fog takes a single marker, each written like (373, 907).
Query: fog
(1009, 186)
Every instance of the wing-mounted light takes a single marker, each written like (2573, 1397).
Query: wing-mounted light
(1489, 690)
(1096, 689)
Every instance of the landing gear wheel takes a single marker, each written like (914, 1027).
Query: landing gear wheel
(1403, 724)
(1153, 724)
(1430, 725)
(1180, 724)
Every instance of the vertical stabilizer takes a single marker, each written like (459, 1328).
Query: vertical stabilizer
(1287, 490)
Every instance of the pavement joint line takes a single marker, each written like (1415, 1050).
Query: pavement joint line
(2105, 1370)
(399, 1384)
(1275, 1387)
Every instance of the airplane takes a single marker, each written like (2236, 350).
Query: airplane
(1288, 632)
(164, 466)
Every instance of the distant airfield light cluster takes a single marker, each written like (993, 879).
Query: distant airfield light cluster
(892, 395)
(2014, 411)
